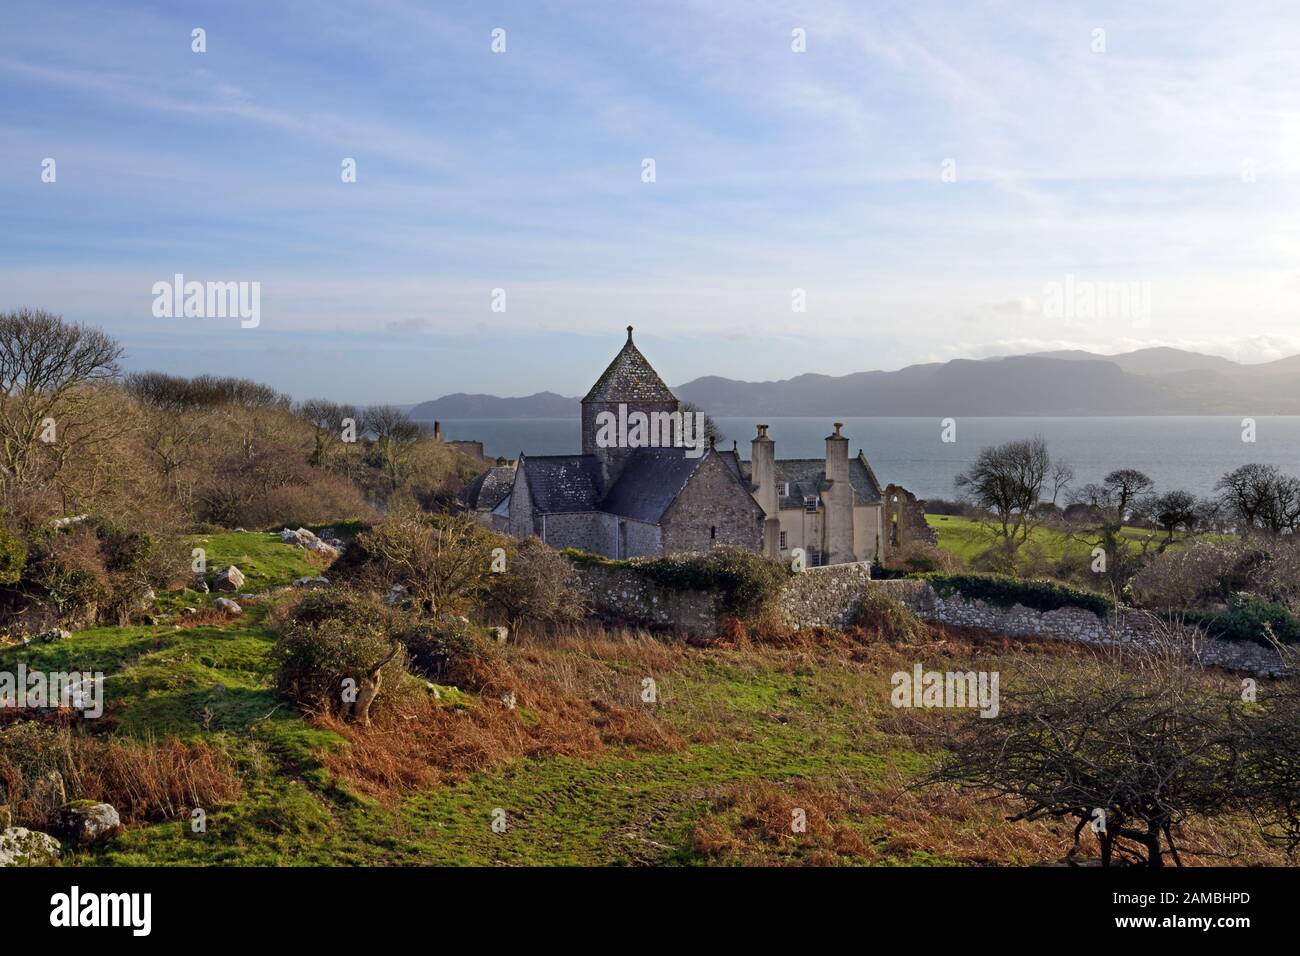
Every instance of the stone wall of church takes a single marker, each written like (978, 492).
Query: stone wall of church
(598, 533)
(590, 531)
(521, 508)
(642, 539)
(713, 509)
(614, 458)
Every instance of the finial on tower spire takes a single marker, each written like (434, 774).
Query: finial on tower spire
(629, 335)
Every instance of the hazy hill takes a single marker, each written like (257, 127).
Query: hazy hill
(1155, 381)
(1153, 361)
(462, 405)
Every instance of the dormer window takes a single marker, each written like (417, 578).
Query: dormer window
(810, 503)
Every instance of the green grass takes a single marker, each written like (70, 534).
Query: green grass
(746, 717)
(264, 559)
(622, 807)
(967, 538)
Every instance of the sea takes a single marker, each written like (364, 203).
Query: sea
(1187, 452)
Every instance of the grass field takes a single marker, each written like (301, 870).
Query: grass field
(967, 538)
(739, 739)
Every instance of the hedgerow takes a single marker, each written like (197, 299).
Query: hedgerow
(1003, 591)
(1249, 619)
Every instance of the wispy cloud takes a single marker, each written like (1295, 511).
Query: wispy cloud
(1167, 159)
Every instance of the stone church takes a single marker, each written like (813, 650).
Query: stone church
(625, 502)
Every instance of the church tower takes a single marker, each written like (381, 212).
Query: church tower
(630, 381)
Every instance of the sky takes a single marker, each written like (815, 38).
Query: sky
(836, 187)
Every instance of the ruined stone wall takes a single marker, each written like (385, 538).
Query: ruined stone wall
(905, 518)
(472, 448)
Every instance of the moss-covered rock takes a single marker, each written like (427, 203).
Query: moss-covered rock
(22, 847)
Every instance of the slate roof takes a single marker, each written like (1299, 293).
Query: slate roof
(485, 491)
(738, 468)
(560, 483)
(630, 378)
(807, 476)
(650, 483)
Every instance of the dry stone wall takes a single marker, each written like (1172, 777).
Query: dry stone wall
(829, 596)
(624, 595)
(1125, 626)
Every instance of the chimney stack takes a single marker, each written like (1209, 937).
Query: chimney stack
(839, 500)
(763, 476)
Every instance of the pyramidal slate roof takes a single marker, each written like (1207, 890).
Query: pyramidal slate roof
(630, 378)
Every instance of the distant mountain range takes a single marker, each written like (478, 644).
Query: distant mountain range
(1154, 381)
(461, 405)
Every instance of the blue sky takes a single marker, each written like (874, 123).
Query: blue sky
(1169, 158)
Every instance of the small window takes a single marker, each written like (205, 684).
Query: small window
(713, 532)
(782, 544)
(810, 503)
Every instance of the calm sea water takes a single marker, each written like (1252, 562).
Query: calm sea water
(1178, 452)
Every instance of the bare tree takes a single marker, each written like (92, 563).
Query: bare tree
(48, 368)
(176, 393)
(537, 585)
(329, 420)
(177, 432)
(393, 435)
(1262, 498)
(1009, 482)
(370, 684)
(712, 433)
(1273, 755)
(1127, 747)
(1121, 496)
(442, 561)
(1176, 510)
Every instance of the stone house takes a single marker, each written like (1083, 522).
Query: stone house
(626, 500)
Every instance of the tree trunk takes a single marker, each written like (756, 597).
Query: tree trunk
(1154, 856)
(369, 689)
